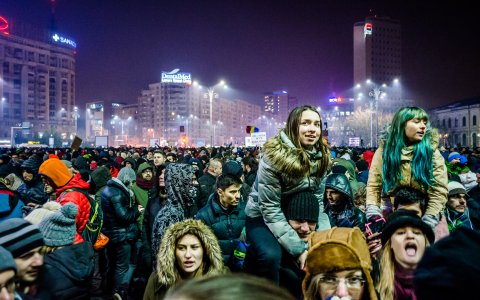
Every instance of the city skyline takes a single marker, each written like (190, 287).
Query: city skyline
(305, 48)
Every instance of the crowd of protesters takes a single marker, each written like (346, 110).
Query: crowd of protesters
(313, 221)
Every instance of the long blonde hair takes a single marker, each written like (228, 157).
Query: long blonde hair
(386, 284)
(312, 292)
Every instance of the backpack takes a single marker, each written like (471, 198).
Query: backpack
(95, 218)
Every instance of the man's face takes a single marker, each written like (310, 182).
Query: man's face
(14, 157)
(334, 197)
(29, 265)
(149, 156)
(147, 174)
(303, 228)
(230, 196)
(27, 176)
(110, 153)
(49, 186)
(457, 202)
(170, 158)
(136, 156)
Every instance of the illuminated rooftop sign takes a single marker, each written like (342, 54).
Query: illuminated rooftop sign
(3, 25)
(175, 77)
(63, 40)
(367, 30)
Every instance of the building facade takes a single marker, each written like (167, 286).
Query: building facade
(377, 58)
(37, 84)
(458, 123)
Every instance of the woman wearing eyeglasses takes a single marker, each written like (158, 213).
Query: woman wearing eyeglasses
(404, 239)
(338, 266)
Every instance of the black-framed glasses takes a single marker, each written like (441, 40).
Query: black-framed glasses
(354, 282)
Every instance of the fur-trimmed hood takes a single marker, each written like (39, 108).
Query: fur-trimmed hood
(167, 270)
(288, 159)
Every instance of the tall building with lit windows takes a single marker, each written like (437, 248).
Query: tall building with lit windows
(276, 104)
(377, 56)
(37, 81)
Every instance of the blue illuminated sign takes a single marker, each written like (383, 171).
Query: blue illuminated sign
(63, 40)
(175, 77)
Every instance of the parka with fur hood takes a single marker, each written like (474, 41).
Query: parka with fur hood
(437, 193)
(167, 273)
(281, 173)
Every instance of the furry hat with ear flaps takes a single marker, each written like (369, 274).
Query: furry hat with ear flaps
(338, 249)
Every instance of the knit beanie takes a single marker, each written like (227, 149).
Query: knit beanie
(38, 214)
(6, 261)
(56, 170)
(455, 188)
(453, 156)
(403, 218)
(302, 206)
(59, 228)
(67, 163)
(233, 168)
(361, 165)
(338, 249)
(126, 175)
(32, 164)
(19, 236)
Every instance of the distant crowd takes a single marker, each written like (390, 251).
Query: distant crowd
(293, 219)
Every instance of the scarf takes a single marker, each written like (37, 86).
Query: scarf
(456, 220)
(404, 283)
(145, 184)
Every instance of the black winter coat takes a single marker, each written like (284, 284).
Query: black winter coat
(473, 204)
(66, 273)
(226, 225)
(207, 187)
(119, 212)
(33, 191)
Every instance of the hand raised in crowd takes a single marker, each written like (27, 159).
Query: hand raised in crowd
(374, 244)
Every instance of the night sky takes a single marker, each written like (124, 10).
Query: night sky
(305, 47)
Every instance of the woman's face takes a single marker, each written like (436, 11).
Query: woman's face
(408, 246)
(415, 130)
(347, 284)
(309, 128)
(189, 254)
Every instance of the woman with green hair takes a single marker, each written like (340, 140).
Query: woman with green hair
(408, 155)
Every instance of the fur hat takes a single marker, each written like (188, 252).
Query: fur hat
(59, 228)
(19, 236)
(38, 214)
(339, 249)
(402, 218)
(56, 170)
(6, 261)
(455, 188)
(303, 206)
(233, 168)
(453, 156)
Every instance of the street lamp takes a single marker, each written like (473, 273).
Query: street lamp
(375, 95)
(75, 115)
(211, 93)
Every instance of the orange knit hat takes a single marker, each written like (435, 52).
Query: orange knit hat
(56, 170)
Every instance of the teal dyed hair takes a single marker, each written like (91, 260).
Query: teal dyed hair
(422, 162)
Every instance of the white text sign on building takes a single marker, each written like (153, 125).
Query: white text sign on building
(63, 40)
(176, 77)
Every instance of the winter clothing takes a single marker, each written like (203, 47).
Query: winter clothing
(180, 205)
(339, 249)
(453, 155)
(350, 167)
(6, 261)
(207, 187)
(167, 274)
(233, 168)
(402, 218)
(66, 273)
(56, 170)
(38, 214)
(403, 283)
(450, 268)
(59, 229)
(344, 213)
(455, 188)
(437, 193)
(18, 236)
(226, 224)
(142, 188)
(302, 206)
(456, 219)
(280, 174)
(100, 177)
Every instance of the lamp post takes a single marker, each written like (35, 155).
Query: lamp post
(75, 115)
(375, 95)
(211, 94)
